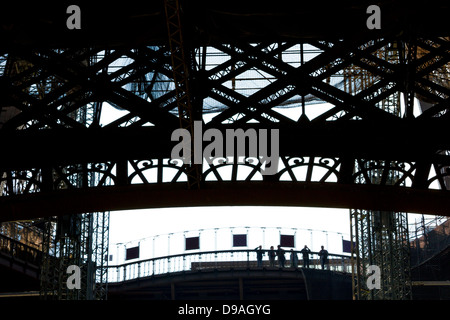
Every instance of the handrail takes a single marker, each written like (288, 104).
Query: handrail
(213, 260)
(223, 251)
(19, 250)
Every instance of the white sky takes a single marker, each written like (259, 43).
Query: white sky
(130, 227)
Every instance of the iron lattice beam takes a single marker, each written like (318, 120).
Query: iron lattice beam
(86, 84)
(423, 141)
(247, 63)
(218, 193)
(41, 101)
(380, 238)
(104, 24)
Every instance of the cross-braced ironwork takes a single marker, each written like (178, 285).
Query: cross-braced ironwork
(269, 80)
(76, 240)
(103, 110)
(380, 238)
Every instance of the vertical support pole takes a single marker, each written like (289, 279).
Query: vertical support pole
(47, 179)
(378, 236)
(172, 291)
(409, 78)
(122, 172)
(181, 67)
(241, 288)
(90, 277)
(302, 62)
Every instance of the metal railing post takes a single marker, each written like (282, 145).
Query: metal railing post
(153, 267)
(248, 259)
(168, 265)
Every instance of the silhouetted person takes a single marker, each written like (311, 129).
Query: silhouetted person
(281, 257)
(305, 253)
(323, 255)
(294, 259)
(272, 256)
(259, 255)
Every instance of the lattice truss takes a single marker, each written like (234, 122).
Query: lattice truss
(273, 85)
(380, 238)
(75, 240)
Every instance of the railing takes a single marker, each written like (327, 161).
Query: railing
(19, 250)
(429, 239)
(215, 260)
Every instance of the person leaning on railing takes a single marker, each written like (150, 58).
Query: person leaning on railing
(272, 256)
(323, 255)
(305, 253)
(281, 257)
(259, 255)
(294, 259)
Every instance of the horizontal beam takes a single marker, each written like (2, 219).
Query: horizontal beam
(431, 283)
(400, 140)
(43, 24)
(20, 294)
(333, 195)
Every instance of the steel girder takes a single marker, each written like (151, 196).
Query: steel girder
(380, 238)
(43, 24)
(318, 151)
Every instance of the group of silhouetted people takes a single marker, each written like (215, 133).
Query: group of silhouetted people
(279, 254)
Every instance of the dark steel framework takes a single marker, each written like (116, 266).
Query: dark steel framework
(216, 59)
(380, 238)
(344, 143)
